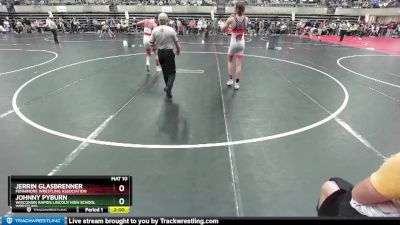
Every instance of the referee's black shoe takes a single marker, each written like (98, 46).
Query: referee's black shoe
(168, 92)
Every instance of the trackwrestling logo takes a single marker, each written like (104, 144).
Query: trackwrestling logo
(32, 220)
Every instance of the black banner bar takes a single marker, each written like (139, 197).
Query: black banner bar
(60, 210)
(213, 221)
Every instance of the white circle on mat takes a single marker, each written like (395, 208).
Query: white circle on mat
(365, 76)
(29, 67)
(188, 146)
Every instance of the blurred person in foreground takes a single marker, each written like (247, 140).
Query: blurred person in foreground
(376, 196)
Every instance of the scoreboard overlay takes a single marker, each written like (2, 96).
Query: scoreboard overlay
(89, 194)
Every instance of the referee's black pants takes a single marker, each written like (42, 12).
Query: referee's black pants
(167, 62)
(54, 32)
(342, 33)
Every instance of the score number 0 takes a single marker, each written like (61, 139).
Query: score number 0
(121, 188)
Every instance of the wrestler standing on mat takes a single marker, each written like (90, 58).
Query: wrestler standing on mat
(238, 25)
(148, 26)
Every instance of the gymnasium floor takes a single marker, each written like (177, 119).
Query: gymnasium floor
(305, 113)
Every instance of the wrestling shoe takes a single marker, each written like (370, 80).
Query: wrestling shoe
(230, 82)
(169, 94)
(237, 86)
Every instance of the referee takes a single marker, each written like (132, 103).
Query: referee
(166, 40)
(342, 30)
(53, 28)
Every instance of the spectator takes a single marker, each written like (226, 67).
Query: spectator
(19, 27)
(376, 196)
(181, 29)
(382, 30)
(61, 24)
(6, 25)
(134, 23)
(74, 25)
(220, 23)
(362, 30)
(105, 29)
(186, 24)
(192, 26)
(375, 29)
(261, 27)
(214, 26)
(87, 22)
(398, 30)
(283, 28)
(256, 27)
(96, 25)
(176, 21)
(39, 25)
(111, 23)
(118, 27)
(332, 28)
(299, 27)
(205, 31)
(125, 25)
(2, 30)
(321, 28)
(34, 26)
(390, 28)
(353, 29)
(200, 25)
(394, 28)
